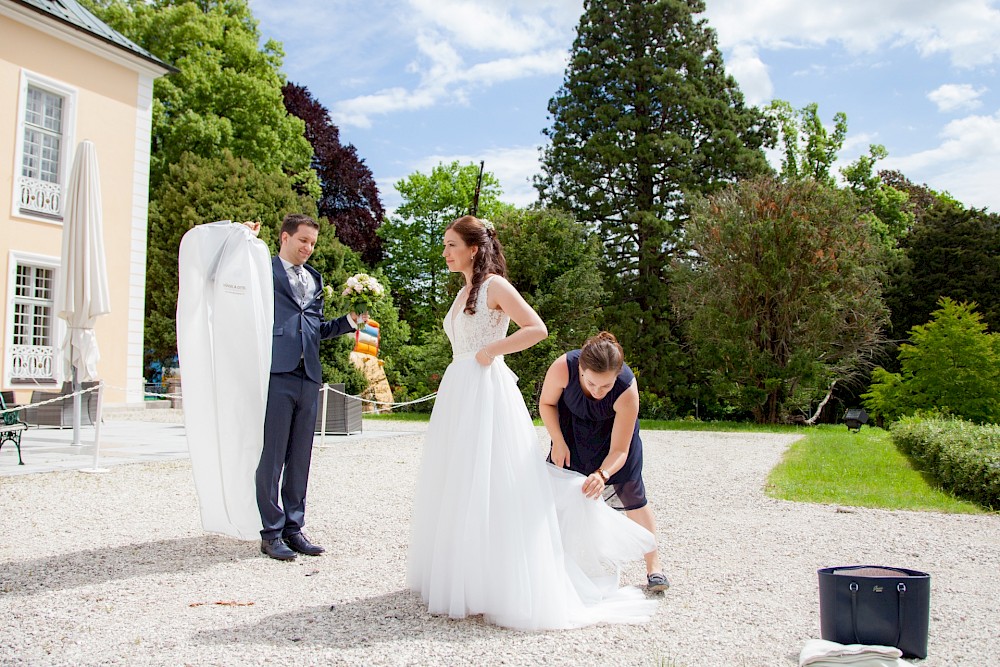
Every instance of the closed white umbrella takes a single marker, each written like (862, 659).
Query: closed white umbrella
(82, 286)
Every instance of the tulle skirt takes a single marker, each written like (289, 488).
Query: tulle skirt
(497, 531)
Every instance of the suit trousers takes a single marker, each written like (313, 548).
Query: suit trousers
(289, 425)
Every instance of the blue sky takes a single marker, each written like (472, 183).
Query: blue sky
(412, 83)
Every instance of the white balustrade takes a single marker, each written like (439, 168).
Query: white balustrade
(39, 196)
(30, 362)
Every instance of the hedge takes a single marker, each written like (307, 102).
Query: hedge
(964, 457)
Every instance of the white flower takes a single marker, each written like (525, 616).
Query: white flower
(363, 284)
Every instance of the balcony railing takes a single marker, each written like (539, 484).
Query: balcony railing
(30, 363)
(39, 197)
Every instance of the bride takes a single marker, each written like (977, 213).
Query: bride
(497, 531)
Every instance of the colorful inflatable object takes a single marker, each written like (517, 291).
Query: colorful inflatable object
(366, 338)
(365, 357)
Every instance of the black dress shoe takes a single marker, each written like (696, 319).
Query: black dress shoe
(277, 549)
(301, 543)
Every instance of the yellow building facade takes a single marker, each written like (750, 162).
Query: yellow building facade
(66, 77)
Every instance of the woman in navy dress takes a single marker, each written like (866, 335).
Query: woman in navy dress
(590, 406)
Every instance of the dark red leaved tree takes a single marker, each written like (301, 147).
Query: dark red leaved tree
(350, 197)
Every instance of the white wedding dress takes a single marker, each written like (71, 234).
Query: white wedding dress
(498, 531)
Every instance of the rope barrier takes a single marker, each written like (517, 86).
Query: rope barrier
(428, 397)
(325, 387)
(60, 397)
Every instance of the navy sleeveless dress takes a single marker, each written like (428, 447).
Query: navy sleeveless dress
(586, 425)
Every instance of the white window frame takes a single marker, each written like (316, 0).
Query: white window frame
(66, 153)
(58, 325)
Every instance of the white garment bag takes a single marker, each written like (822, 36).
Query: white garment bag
(225, 317)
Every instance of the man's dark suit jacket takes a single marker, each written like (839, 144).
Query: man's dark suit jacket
(298, 330)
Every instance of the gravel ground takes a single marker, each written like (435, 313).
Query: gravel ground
(115, 569)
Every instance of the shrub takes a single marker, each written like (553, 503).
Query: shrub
(962, 456)
(652, 406)
(951, 365)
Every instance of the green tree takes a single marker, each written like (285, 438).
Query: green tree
(646, 114)
(951, 365)
(412, 237)
(951, 251)
(782, 292)
(808, 148)
(420, 367)
(227, 94)
(919, 198)
(199, 190)
(553, 262)
(888, 210)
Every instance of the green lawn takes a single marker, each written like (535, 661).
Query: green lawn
(694, 425)
(833, 465)
(645, 424)
(828, 465)
(399, 416)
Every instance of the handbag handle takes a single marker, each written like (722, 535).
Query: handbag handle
(901, 594)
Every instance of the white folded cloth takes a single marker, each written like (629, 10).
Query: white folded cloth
(822, 653)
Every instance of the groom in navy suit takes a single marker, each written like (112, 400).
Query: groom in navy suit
(296, 376)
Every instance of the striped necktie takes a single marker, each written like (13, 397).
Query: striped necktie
(300, 282)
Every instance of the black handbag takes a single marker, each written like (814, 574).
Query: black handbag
(874, 605)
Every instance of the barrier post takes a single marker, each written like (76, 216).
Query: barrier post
(322, 423)
(97, 430)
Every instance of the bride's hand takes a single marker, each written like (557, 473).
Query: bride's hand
(484, 358)
(253, 226)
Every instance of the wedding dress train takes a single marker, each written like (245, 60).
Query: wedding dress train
(496, 530)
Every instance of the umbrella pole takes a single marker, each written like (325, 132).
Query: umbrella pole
(77, 402)
(97, 430)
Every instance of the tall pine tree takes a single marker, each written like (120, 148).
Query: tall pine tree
(645, 115)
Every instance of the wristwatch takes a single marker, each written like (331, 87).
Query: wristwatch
(604, 475)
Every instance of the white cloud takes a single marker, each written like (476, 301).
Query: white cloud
(443, 75)
(750, 72)
(857, 144)
(357, 112)
(965, 30)
(439, 66)
(409, 55)
(507, 69)
(966, 163)
(501, 25)
(347, 38)
(956, 96)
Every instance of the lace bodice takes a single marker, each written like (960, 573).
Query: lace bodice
(470, 333)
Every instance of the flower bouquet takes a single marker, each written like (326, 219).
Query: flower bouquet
(362, 292)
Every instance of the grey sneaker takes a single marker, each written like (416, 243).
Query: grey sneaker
(656, 582)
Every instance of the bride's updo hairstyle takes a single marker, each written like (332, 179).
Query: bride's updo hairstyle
(602, 353)
(489, 257)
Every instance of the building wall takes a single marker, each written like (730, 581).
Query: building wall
(112, 110)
